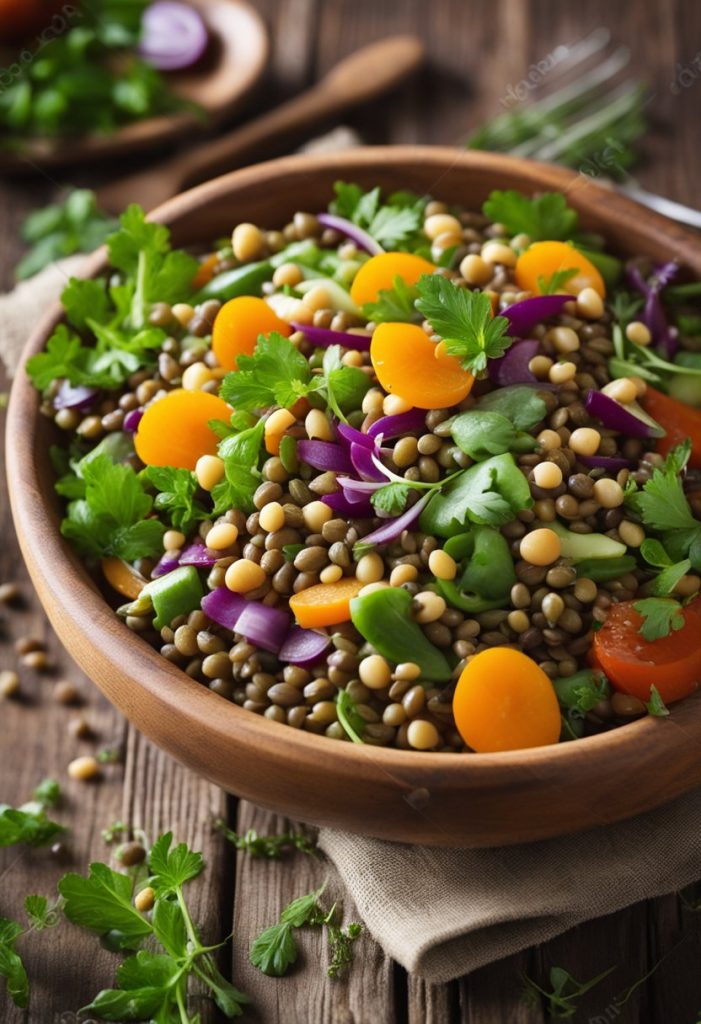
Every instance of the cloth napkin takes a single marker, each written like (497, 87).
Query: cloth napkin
(442, 913)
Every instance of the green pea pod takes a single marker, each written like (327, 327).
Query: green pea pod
(245, 280)
(490, 569)
(177, 593)
(470, 603)
(383, 618)
(601, 570)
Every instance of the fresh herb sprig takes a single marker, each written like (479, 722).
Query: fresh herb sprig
(62, 229)
(392, 224)
(41, 914)
(274, 951)
(543, 217)
(562, 998)
(30, 823)
(662, 506)
(463, 319)
(150, 985)
(270, 847)
(661, 616)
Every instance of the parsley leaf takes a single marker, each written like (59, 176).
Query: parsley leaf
(665, 582)
(56, 231)
(110, 520)
(556, 281)
(345, 386)
(11, 967)
(483, 434)
(391, 499)
(522, 405)
(655, 705)
(172, 868)
(276, 374)
(275, 949)
(29, 823)
(663, 507)
(102, 903)
(146, 990)
(395, 304)
(176, 496)
(240, 452)
(390, 225)
(542, 218)
(489, 493)
(661, 615)
(463, 319)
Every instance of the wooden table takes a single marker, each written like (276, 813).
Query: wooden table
(477, 50)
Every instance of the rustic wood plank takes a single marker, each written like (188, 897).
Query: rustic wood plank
(263, 888)
(674, 937)
(431, 1004)
(495, 993)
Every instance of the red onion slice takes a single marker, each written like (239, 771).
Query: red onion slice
(324, 337)
(168, 561)
(263, 626)
(132, 420)
(361, 238)
(403, 423)
(629, 419)
(364, 463)
(394, 528)
(610, 462)
(224, 607)
(361, 508)
(173, 35)
(512, 367)
(303, 647)
(199, 555)
(324, 455)
(79, 397)
(523, 316)
(349, 435)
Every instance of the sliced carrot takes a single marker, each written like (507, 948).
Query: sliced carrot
(543, 259)
(408, 364)
(325, 604)
(504, 701)
(237, 326)
(205, 272)
(633, 664)
(122, 577)
(174, 430)
(379, 272)
(679, 420)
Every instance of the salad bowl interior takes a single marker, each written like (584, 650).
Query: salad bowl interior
(437, 799)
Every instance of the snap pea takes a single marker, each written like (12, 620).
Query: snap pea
(245, 280)
(177, 593)
(601, 570)
(383, 618)
(486, 570)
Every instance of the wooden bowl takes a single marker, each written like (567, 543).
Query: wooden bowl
(219, 85)
(437, 799)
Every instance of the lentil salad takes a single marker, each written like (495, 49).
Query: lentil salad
(438, 517)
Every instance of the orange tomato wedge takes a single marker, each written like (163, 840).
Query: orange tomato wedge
(504, 701)
(633, 664)
(174, 430)
(237, 326)
(408, 364)
(325, 604)
(679, 420)
(122, 577)
(379, 272)
(543, 259)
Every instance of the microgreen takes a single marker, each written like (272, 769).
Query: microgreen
(482, 434)
(40, 915)
(59, 230)
(562, 998)
(463, 319)
(489, 493)
(543, 217)
(240, 452)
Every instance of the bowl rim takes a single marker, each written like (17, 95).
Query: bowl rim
(67, 583)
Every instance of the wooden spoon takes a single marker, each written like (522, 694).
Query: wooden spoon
(362, 76)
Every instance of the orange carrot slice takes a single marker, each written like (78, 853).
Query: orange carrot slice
(237, 326)
(325, 604)
(543, 259)
(379, 272)
(504, 701)
(174, 430)
(205, 272)
(408, 364)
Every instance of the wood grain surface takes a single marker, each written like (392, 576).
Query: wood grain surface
(477, 49)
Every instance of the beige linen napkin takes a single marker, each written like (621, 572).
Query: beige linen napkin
(441, 913)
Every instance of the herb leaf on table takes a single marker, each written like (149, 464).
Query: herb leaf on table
(30, 823)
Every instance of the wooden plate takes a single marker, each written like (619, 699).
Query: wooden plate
(438, 799)
(219, 84)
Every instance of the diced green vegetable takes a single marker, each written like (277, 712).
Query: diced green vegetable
(383, 618)
(602, 570)
(245, 280)
(177, 593)
(579, 546)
